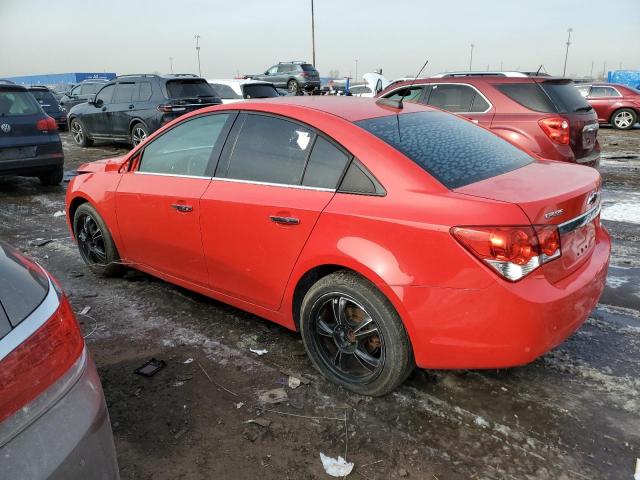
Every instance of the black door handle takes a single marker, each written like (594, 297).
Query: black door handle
(284, 220)
(104, 109)
(182, 208)
(131, 106)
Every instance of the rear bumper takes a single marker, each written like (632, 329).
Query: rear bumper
(71, 440)
(591, 160)
(31, 166)
(505, 324)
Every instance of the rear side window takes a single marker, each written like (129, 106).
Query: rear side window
(603, 92)
(124, 93)
(23, 286)
(186, 148)
(143, 92)
(325, 166)
(564, 95)
(271, 150)
(18, 102)
(224, 91)
(455, 152)
(259, 91)
(409, 94)
(358, 180)
(454, 98)
(192, 89)
(529, 95)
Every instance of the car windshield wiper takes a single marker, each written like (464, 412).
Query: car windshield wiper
(584, 109)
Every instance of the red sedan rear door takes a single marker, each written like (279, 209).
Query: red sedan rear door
(158, 204)
(273, 181)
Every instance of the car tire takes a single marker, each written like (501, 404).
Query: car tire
(368, 350)
(79, 134)
(95, 243)
(139, 132)
(293, 86)
(52, 177)
(624, 119)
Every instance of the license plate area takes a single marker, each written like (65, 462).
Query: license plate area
(17, 153)
(589, 135)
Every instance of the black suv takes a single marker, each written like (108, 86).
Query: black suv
(130, 107)
(49, 104)
(29, 140)
(81, 93)
(294, 76)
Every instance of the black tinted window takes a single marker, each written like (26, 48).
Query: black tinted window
(44, 97)
(189, 89)
(106, 93)
(144, 92)
(325, 165)
(5, 326)
(22, 285)
(270, 149)
(124, 93)
(454, 98)
(224, 91)
(565, 96)
(18, 102)
(259, 91)
(88, 88)
(358, 180)
(308, 67)
(529, 95)
(186, 148)
(479, 104)
(453, 151)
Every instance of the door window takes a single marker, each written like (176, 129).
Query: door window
(124, 92)
(143, 92)
(75, 91)
(325, 166)
(411, 94)
(271, 150)
(105, 94)
(285, 68)
(89, 88)
(454, 98)
(603, 92)
(186, 148)
(272, 70)
(584, 90)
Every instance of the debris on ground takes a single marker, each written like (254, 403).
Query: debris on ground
(188, 360)
(291, 373)
(59, 213)
(294, 383)
(239, 404)
(277, 395)
(40, 242)
(403, 473)
(180, 433)
(263, 422)
(257, 351)
(150, 368)
(636, 476)
(85, 310)
(336, 467)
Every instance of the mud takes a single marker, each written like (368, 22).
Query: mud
(572, 414)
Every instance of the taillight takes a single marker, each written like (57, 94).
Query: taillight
(513, 252)
(556, 128)
(40, 360)
(46, 124)
(170, 108)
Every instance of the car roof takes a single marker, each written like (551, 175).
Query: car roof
(351, 109)
(474, 80)
(11, 86)
(237, 81)
(469, 73)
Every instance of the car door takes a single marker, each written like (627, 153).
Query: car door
(94, 118)
(465, 100)
(604, 101)
(257, 213)
(281, 78)
(71, 98)
(121, 108)
(158, 201)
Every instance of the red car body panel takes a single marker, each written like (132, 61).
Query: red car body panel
(458, 312)
(605, 107)
(518, 124)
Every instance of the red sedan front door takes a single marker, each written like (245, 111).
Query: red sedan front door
(158, 204)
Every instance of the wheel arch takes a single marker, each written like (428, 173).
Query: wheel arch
(134, 121)
(73, 207)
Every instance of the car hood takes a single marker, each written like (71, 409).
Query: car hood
(104, 165)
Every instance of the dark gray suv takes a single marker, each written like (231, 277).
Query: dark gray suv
(295, 76)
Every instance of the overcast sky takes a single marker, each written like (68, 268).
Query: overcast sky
(247, 36)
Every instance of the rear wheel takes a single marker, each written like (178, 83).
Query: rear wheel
(624, 119)
(139, 132)
(354, 336)
(95, 243)
(79, 134)
(52, 177)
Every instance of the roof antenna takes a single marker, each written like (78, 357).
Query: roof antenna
(398, 103)
(538, 71)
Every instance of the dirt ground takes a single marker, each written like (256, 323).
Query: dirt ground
(572, 414)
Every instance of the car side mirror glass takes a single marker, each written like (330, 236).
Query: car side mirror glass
(98, 102)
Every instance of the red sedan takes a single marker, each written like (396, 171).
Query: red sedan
(615, 104)
(388, 236)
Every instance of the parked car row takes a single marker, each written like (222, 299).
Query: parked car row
(617, 105)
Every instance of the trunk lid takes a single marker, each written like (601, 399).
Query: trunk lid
(552, 193)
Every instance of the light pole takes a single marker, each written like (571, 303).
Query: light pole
(564, 70)
(197, 37)
(356, 78)
(471, 57)
(171, 64)
(313, 35)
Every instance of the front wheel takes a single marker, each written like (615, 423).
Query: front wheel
(79, 134)
(96, 246)
(624, 119)
(138, 133)
(354, 336)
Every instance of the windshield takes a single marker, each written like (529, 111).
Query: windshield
(454, 151)
(17, 102)
(44, 97)
(565, 96)
(189, 89)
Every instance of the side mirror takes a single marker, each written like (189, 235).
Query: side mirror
(98, 102)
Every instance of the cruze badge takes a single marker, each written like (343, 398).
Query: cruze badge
(5, 127)
(555, 213)
(593, 197)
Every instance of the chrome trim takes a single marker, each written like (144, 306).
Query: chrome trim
(137, 172)
(29, 325)
(591, 127)
(579, 221)
(447, 83)
(268, 184)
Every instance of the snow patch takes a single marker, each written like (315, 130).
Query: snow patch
(622, 212)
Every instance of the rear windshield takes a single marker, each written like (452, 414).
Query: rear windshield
(23, 286)
(224, 91)
(44, 97)
(559, 96)
(189, 89)
(308, 67)
(17, 102)
(455, 152)
(259, 91)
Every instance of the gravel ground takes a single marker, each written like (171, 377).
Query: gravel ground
(572, 414)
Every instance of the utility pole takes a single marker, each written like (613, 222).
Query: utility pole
(564, 70)
(171, 64)
(313, 35)
(356, 79)
(501, 65)
(471, 57)
(604, 71)
(591, 74)
(197, 37)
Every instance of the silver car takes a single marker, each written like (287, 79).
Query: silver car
(53, 417)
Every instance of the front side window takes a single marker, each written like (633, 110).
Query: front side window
(270, 149)
(124, 92)
(75, 91)
(186, 148)
(325, 165)
(410, 94)
(453, 98)
(455, 152)
(284, 68)
(105, 94)
(89, 88)
(272, 70)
